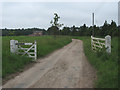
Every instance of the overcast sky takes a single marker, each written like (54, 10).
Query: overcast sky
(39, 14)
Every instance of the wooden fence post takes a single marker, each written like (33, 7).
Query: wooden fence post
(13, 46)
(108, 43)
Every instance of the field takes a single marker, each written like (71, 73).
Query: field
(105, 64)
(45, 44)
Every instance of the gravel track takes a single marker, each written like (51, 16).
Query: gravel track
(64, 68)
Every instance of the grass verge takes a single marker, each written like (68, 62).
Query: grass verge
(12, 63)
(105, 64)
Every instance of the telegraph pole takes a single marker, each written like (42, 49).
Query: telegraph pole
(93, 23)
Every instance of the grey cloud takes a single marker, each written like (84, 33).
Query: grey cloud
(19, 15)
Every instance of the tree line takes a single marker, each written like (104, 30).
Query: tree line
(107, 29)
(20, 32)
(99, 31)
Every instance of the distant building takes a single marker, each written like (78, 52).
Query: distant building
(36, 33)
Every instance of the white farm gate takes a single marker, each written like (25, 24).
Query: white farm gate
(30, 50)
(99, 43)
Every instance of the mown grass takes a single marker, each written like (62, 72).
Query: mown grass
(12, 63)
(105, 64)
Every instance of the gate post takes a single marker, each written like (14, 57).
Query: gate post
(13, 46)
(92, 42)
(108, 43)
(35, 50)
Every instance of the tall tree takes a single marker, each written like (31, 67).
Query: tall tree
(65, 31)
(74, 31)
(105, 29)
(55, 25)
(83, 30)
(113, 31)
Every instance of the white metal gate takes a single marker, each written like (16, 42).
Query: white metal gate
(17, 48)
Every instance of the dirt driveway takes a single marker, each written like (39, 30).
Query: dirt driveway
(64, 68)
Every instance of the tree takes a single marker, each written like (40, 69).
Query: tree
(73, 30)
(83, 30)
(113, 31)
(55, 21)
(53, 30)
(55, 25)
(105, 29)
(11, 32)
(65, 31)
